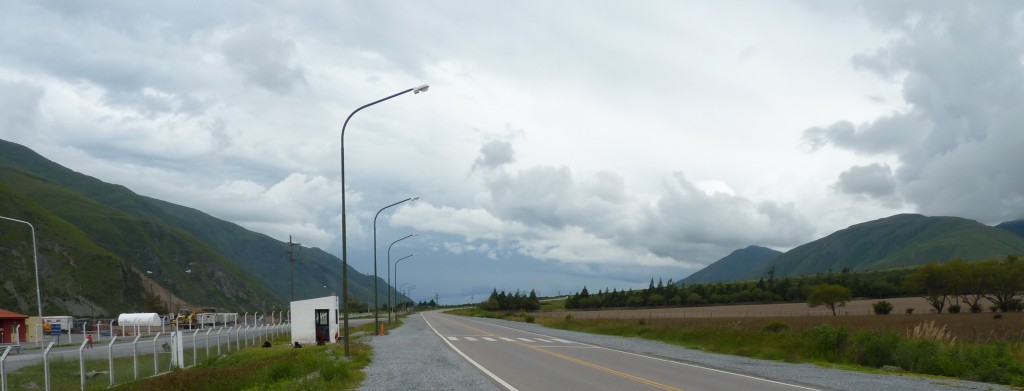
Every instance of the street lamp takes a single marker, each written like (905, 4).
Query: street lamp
(376, 307)
(390, 287)
(396, 268)
(344, 241)
(35, 259)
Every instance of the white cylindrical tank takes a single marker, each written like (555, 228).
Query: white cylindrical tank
(139, 319)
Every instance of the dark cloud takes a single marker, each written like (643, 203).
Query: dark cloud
(687, 223)
(963, 80)
(19, 109)
(265, 59)
(495, 154)
(875, 181)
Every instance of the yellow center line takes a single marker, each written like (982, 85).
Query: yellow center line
(584, 363)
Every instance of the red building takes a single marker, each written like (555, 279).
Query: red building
(8, 321)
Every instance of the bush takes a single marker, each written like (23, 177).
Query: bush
(529, 318)
(882, 307)
(829, 341)
(910, 311)
(954, 309)
(776, 327)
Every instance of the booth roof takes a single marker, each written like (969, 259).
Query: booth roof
(5, 314)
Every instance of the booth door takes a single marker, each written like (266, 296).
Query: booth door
(323, 326)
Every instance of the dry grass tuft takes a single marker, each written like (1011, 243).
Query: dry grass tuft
(928, 331)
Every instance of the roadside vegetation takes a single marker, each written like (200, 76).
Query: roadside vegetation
(955, 286)
(280, 367)
(956, 339)
(930, 346)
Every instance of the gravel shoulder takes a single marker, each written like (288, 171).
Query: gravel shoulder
(413, 357)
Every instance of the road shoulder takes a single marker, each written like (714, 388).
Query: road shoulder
(412, 357)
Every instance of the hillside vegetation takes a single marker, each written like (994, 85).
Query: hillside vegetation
(133, 252)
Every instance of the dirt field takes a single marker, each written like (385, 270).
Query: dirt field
(857, 315)
(856, 307)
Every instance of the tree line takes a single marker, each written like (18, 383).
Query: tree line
(511, 302)
(947, 284)
(951, 285)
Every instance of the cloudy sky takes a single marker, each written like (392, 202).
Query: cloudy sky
(561, 143)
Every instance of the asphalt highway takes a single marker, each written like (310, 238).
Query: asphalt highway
(522, 360)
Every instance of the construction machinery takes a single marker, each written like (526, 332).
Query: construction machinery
(186, 319)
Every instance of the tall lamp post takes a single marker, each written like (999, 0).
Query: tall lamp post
(376, 307)
(396, 268)
(35, 259)
(391, 288)
(344, 241)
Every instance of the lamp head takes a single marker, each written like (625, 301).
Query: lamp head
(422, 88)
(414, 198)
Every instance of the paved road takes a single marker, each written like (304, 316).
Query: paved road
(518, 359)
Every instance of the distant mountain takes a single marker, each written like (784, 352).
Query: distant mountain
(100, 240)
(897, 241)
(1016, 226)
(739, 265)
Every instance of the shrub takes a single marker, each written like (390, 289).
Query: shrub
(910, 311)
(529, 318)
(776, 327)
(954, 309)
(569, 318)
(882, 307)
(829, 341)
(875, 350)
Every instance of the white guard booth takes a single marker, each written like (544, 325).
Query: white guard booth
(315, 320)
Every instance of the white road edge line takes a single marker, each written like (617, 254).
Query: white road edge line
(659, 359)
(477, 365)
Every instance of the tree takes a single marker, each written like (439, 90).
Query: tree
(936, 283)
(1004, 279)
(829, 295)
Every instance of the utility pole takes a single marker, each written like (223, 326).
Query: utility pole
(291, 263)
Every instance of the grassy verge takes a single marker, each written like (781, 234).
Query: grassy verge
(929, 350)
(280, 367)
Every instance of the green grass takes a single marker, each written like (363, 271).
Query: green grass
(991, 362)
(278, 368)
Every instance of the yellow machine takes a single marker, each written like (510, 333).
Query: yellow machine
(186, 319)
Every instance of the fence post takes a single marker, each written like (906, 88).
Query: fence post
(208, 342)
(218, 340)
(46, 365)
(135, 355)
(81, 364)
(3, 374)
(156, 369)
(110, 359)
(194, 347)
(237, 345)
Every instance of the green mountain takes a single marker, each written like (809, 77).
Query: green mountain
(1016, 226)
(898, 241)
(163, 253)
(740, 264)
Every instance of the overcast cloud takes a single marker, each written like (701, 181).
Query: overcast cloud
(560, 143)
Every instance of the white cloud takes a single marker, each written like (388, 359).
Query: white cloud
(554, 134)
(959, 64)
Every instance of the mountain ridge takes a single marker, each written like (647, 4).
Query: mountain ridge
(245, 260)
